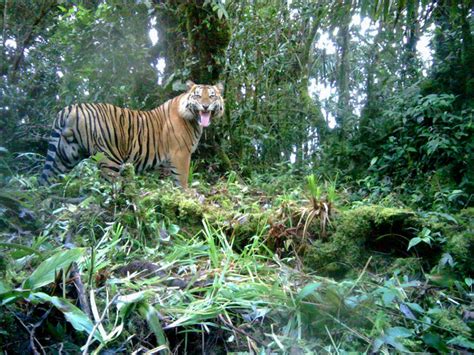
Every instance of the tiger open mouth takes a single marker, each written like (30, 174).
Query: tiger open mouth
(204, 118)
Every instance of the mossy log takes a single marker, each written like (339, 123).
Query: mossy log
(377, 231)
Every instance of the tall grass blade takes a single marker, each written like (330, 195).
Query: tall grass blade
(46, 271)
(73, 315)
(150, 314)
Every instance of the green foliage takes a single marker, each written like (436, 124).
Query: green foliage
(74, 54)
(314, 188)
(460, 241)
(424, 236)
(81, 53)
(230, 269)
(243, 262)
(423, 152)
(43, 275)
(269, 111)
(96, 46)
(78, 319)
(47, 270)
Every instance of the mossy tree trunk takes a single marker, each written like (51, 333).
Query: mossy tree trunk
(193, 39)
(410, 70)
(343, 39)
(208, 37)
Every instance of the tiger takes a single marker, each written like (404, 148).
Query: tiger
(167, 135)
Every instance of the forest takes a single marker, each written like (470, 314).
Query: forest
(329, 210)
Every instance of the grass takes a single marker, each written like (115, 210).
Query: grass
(224, 275)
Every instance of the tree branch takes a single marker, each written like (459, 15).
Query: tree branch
(29, 36)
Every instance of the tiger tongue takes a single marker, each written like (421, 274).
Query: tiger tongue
(205, 116)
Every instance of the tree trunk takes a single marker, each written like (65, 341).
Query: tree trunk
(410, 65)
(28, 38)
(194, 40)
(343, 104)
(306, 61)
(371, 108)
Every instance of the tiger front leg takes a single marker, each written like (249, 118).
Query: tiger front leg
(179, 164)
(109, 169)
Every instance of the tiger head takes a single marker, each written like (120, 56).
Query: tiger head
(202, 102)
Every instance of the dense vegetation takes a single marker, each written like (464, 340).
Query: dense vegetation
(332, 205)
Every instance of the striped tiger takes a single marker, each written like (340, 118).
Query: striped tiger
(167, 135)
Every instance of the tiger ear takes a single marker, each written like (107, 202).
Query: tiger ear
(189, 84)
(220, 87)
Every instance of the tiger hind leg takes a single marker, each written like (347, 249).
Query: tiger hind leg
(63, 154)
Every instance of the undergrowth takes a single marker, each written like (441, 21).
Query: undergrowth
(264, 264)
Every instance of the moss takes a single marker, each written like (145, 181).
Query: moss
(178, 206)
(372, 223)
(447, 319)
(245, 226)
(460, 241)
(333, 258)
(359, 233)
(73, 188)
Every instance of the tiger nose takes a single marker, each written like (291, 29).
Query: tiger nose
(205, 107)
